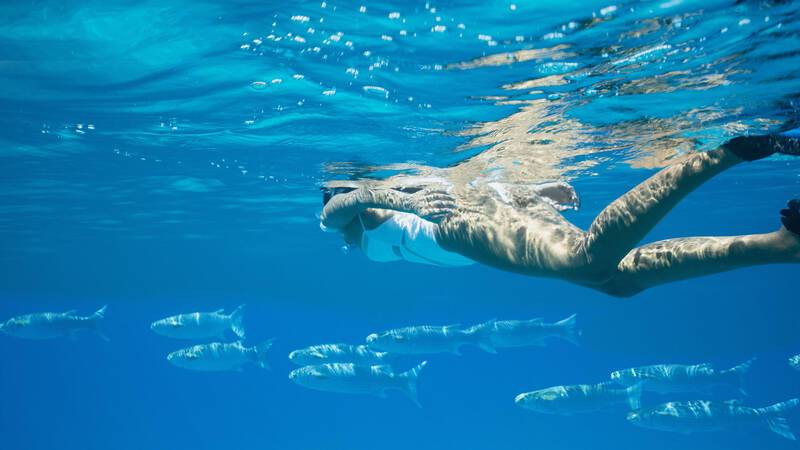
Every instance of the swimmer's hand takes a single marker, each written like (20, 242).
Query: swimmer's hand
(431, 204)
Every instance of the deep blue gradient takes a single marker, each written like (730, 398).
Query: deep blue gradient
(195, 189)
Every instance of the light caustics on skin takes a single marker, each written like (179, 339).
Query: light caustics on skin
(492, 209)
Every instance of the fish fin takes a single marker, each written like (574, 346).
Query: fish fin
(635, 396)
(261, 351)
(452, 327)
(219, 311)
(743, 392)
(101, 335)
(488, 348)
(733, 402)
(71, 312)
(569, 330)
(236, 321)
(780, 426)
(410, 377)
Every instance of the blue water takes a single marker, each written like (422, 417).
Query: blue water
(150, 162)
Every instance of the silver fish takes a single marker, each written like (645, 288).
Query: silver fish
(50, 325)
(221, 356)
(672, 378)
(426, 339)
(338, 353)
(533, 332)
(201, 325)
(580, 398)
(350, 378)
(701, 415)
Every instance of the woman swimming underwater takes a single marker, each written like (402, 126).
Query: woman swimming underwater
(520, 229)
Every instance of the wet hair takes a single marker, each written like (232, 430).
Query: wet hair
(329, 193)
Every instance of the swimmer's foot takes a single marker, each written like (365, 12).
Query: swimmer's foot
(790, 216)
(752, 148)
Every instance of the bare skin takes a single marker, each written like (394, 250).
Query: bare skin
(533, 238)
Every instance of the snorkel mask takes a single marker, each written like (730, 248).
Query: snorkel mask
(329, 193)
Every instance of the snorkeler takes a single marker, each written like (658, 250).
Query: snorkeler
(520, 229)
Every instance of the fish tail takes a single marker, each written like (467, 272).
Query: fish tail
(410, 382)
(737, 374)
(261, 351)
(780, 426)
(775, 420)
(569, 329)
(634, 394)
(95, 319)
(236, 321)
(99, 315)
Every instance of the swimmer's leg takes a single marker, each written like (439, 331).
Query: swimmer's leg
(679, 259)
(626, 221)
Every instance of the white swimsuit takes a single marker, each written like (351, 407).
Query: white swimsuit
(406, 237)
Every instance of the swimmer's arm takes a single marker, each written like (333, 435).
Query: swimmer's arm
(343, 208)
(428, 204)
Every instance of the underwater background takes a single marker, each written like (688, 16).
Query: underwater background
(164, 157)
